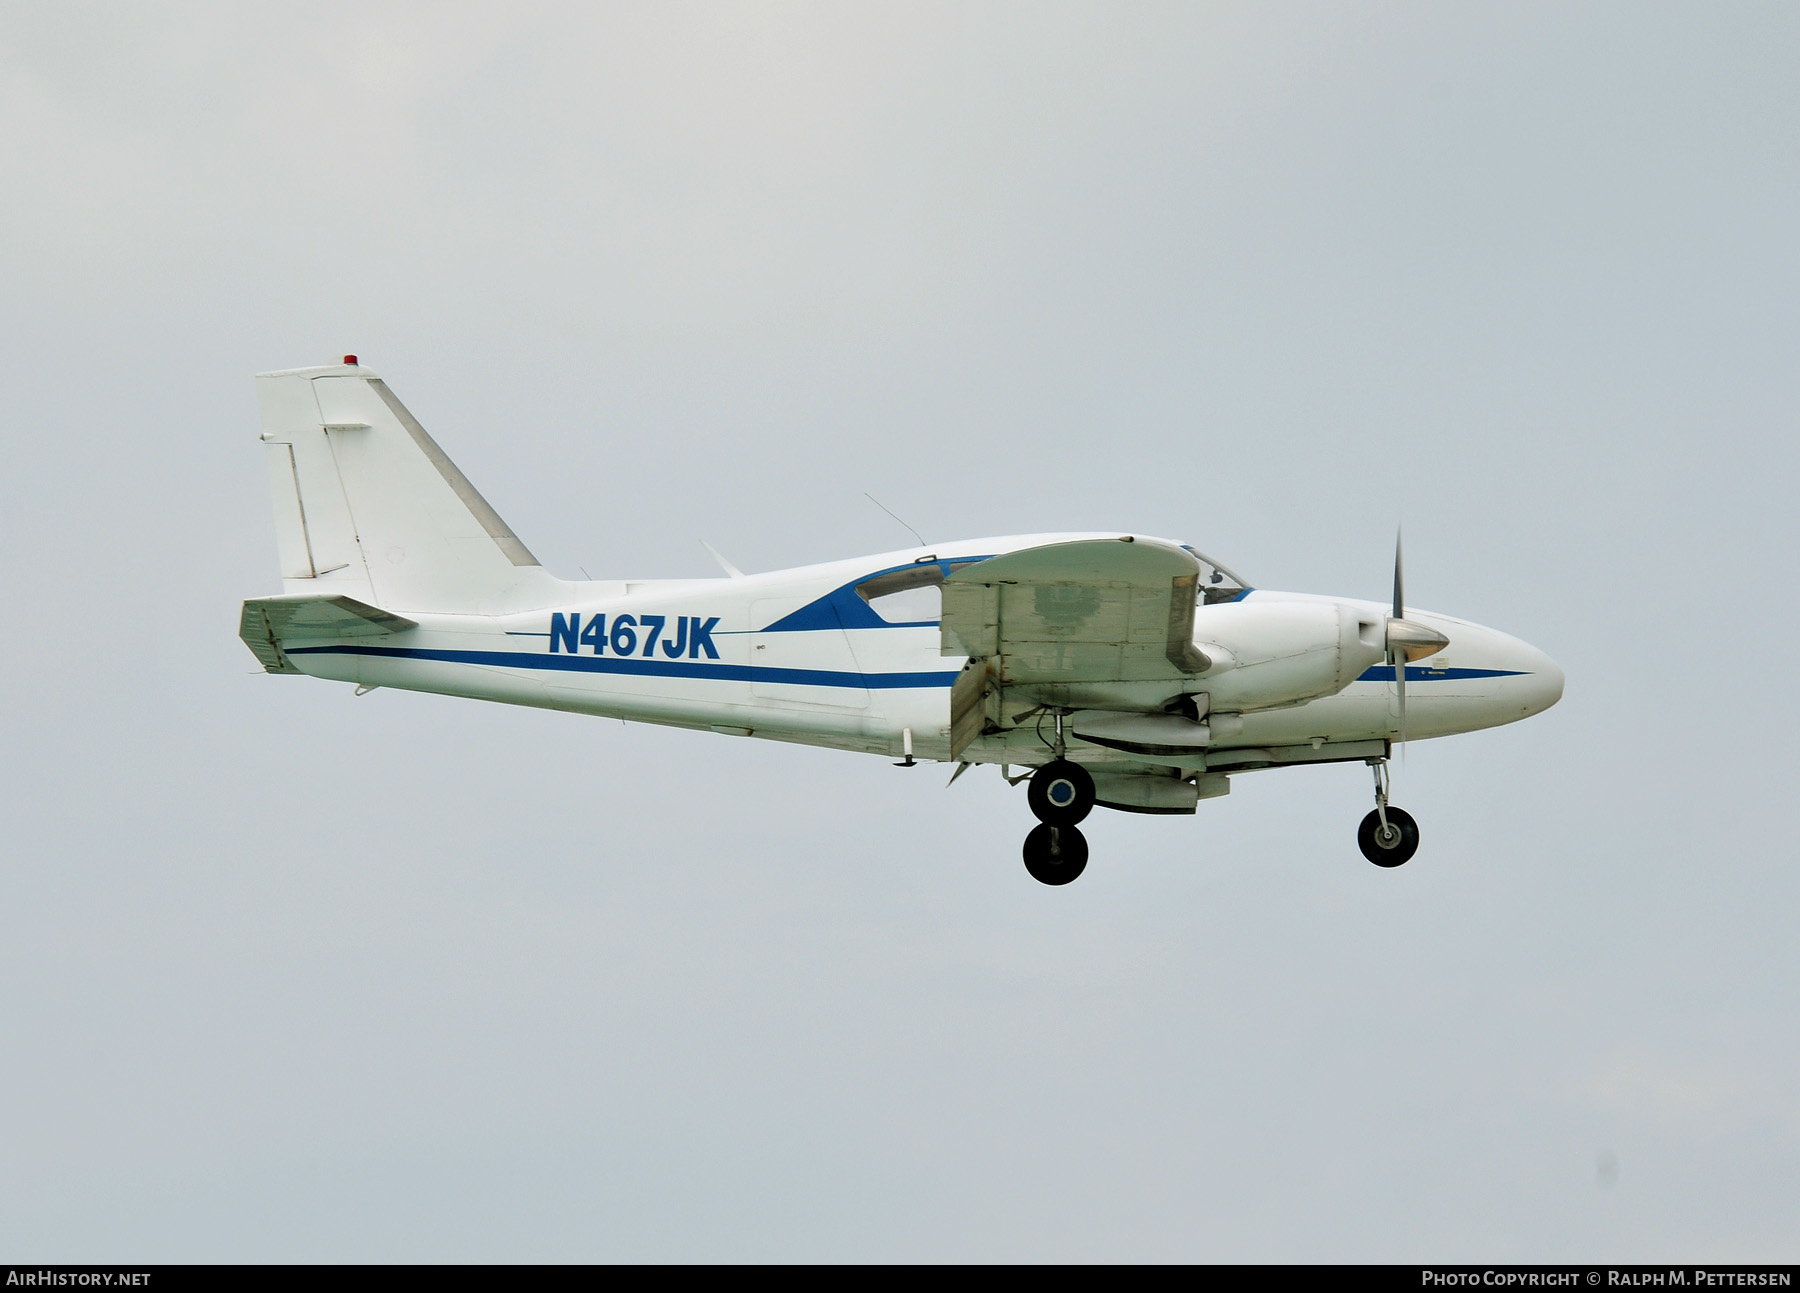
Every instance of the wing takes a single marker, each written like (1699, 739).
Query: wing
(1101, 623)
(269, 622)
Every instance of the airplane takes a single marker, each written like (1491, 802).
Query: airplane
(1110, 669)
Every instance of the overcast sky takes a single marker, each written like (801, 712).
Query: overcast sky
(288, 974)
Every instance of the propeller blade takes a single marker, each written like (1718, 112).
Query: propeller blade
(1396, 653)
(1400, 685)
(1399, 597)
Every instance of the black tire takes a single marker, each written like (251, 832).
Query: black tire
(1055, 854)
(1388, 852)
(1061, 793)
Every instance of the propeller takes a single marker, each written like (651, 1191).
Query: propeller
(1407, 641)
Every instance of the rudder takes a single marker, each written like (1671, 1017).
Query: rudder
(368, 505)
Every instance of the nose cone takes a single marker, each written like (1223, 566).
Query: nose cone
(1541, 684)
(1485, 678)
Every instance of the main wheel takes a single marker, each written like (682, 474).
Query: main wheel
(1061, 793)
(1055, 854)
(1398, 844)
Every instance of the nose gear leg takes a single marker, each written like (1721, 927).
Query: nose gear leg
(1388, 836)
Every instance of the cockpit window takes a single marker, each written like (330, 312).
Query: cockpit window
(1217, 584)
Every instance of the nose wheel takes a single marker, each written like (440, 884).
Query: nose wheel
(1388, 836)
(1390, 843)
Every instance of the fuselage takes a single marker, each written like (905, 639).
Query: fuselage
(848, 654)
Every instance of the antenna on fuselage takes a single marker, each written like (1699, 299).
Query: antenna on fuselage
(724, 565)
(890, 511)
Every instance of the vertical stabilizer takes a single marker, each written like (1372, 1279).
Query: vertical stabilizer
(367, 505)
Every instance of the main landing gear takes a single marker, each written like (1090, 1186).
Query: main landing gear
(1061, 794)
(1388, 836)
(1055, 854)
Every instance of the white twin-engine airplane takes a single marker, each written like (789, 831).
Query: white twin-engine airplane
(1116, 670)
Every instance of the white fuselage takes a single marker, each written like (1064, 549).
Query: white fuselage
(798, 655)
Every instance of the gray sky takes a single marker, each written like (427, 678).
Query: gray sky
(291, 975)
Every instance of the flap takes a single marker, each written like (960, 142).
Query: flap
(968, 704)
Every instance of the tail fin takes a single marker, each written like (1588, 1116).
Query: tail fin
(368, 506)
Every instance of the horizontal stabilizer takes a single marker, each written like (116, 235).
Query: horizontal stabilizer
(271, 622)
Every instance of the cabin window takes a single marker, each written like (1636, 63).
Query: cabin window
(911, 596)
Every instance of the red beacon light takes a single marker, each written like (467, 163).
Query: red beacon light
(350, 360)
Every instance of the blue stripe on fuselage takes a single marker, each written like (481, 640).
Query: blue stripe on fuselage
(634, 667)
(1419, 673)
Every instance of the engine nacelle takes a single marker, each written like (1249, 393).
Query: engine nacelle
(1269, 653)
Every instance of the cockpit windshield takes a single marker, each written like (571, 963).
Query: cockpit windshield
(1217, 584)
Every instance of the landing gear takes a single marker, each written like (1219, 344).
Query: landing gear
(1055, 854)
(1388, 836)
(1390, 845)
(1061, 793)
